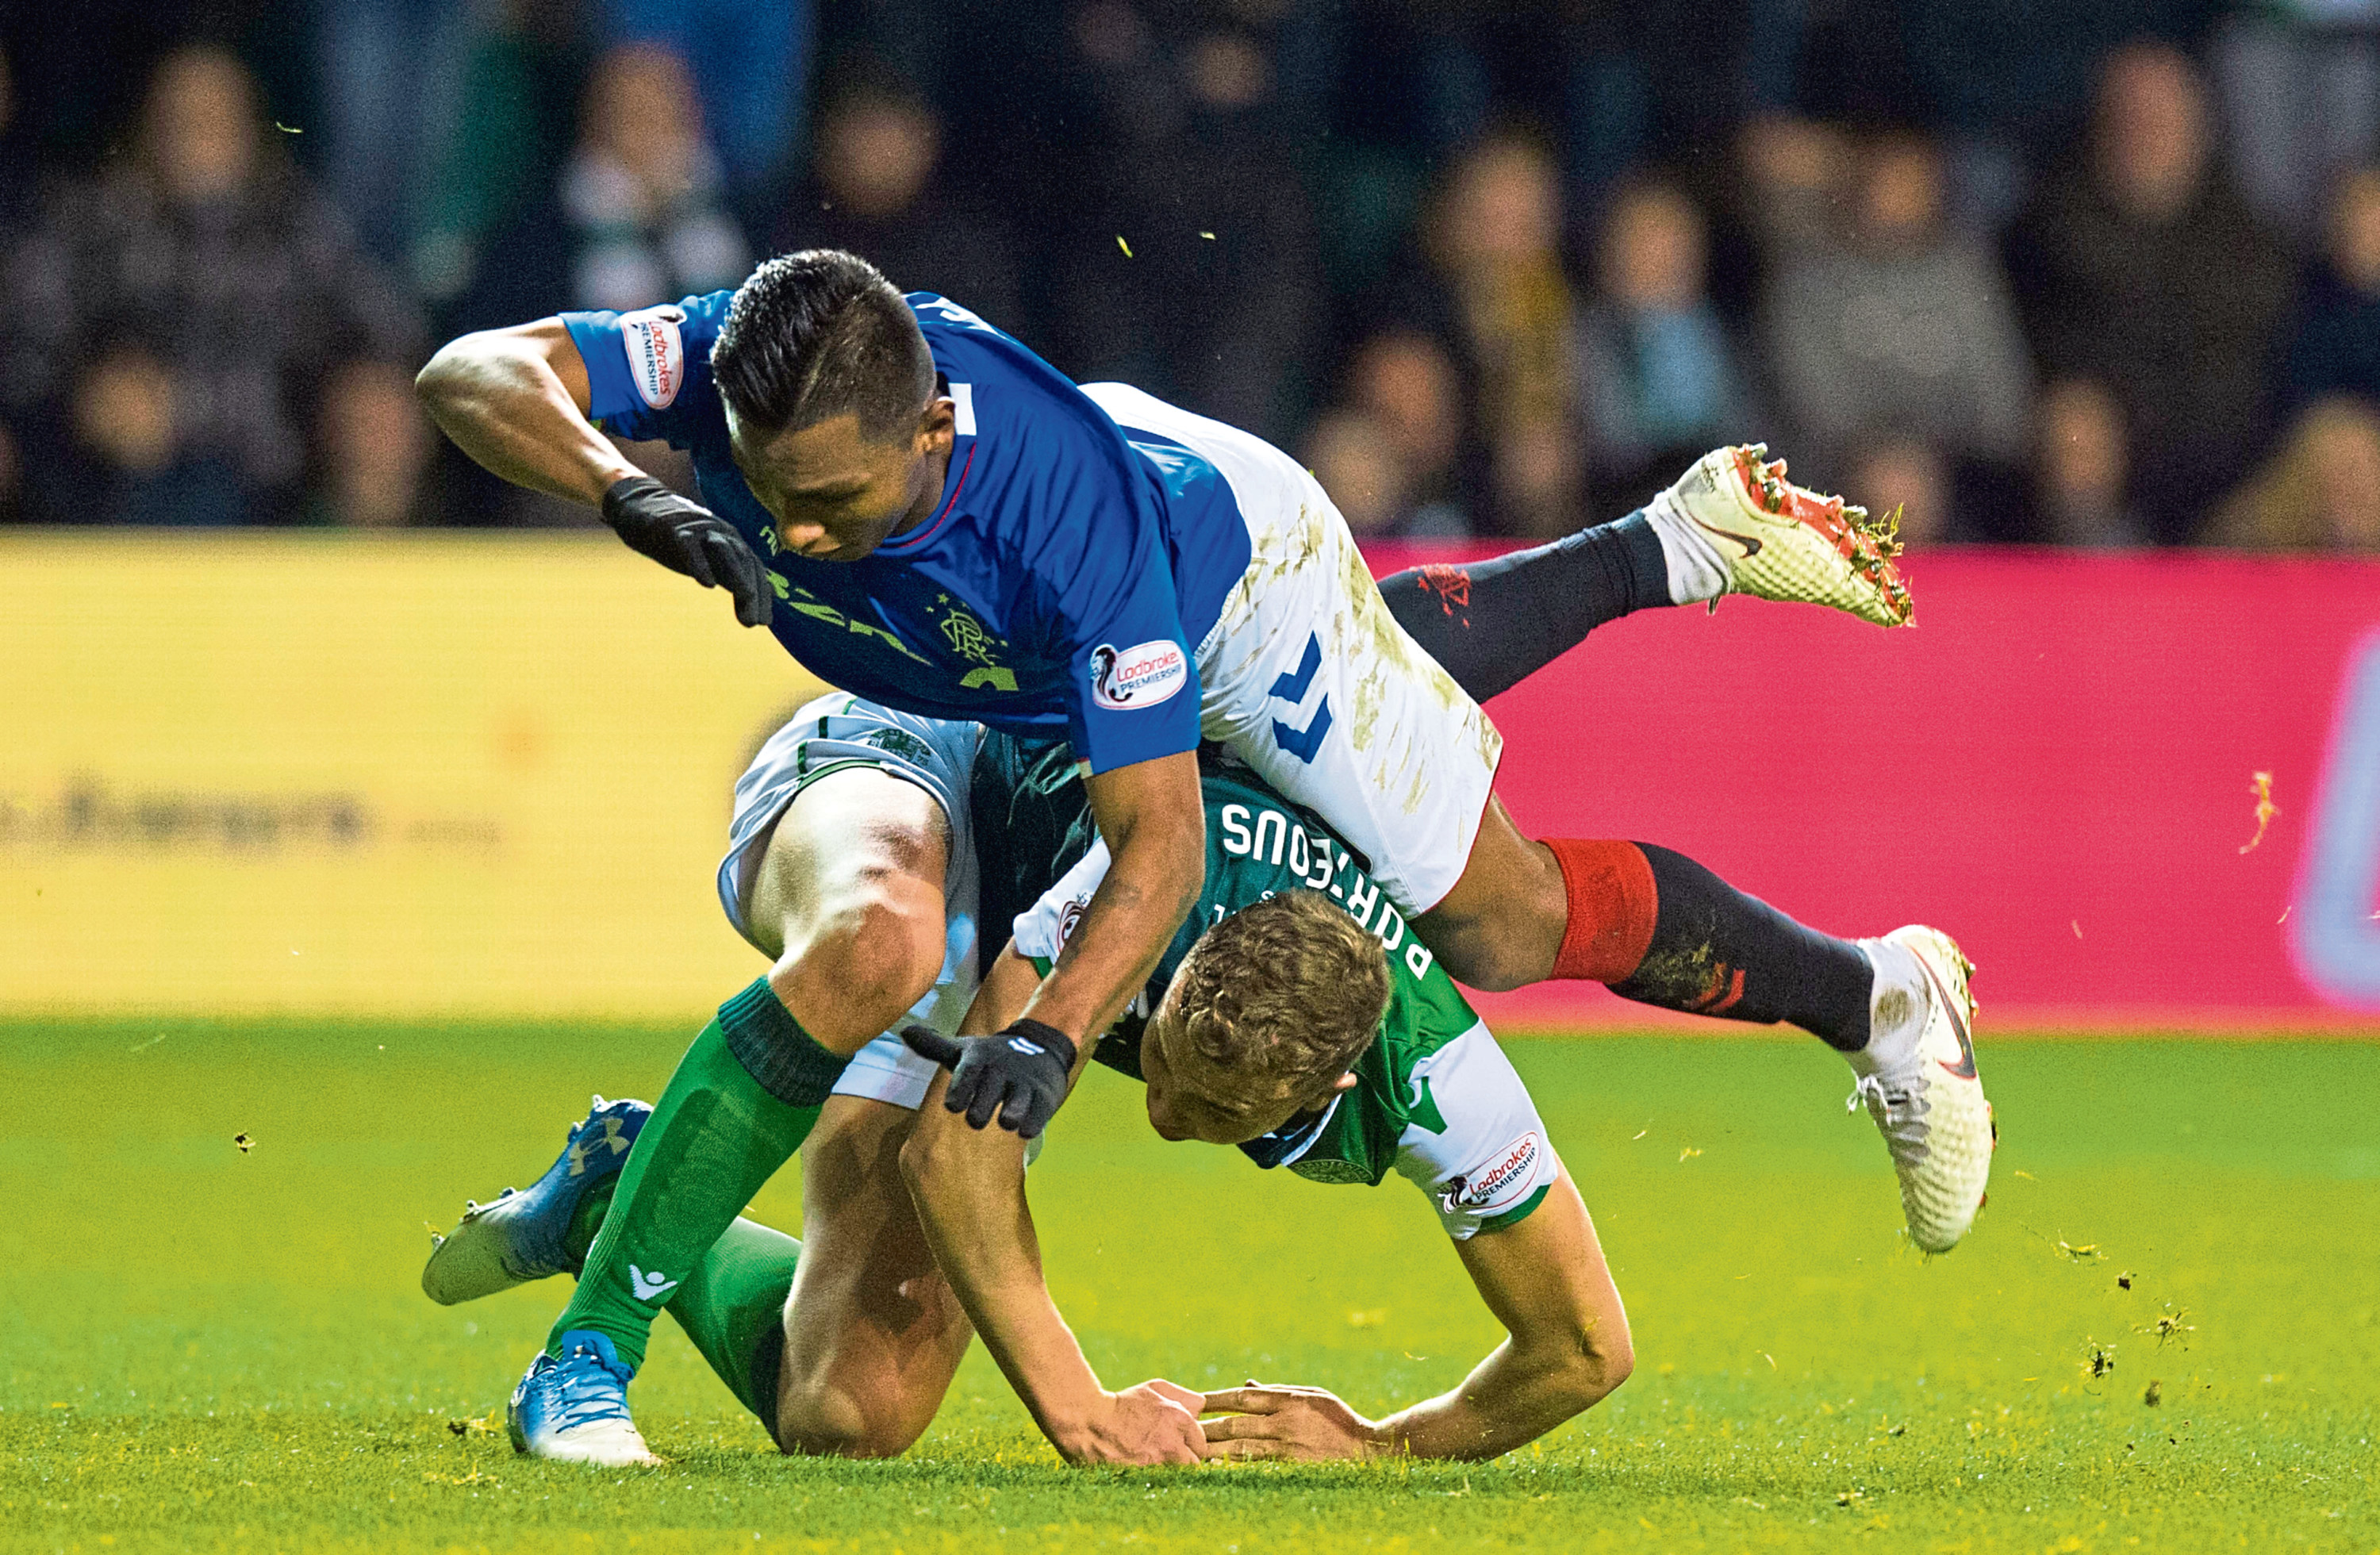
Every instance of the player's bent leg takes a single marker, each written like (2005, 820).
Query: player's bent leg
(1503, 925)
(848, 898)
(873, 1333)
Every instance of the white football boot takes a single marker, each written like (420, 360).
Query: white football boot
(1779, 541)
(574, 1408)
(1927, 1100)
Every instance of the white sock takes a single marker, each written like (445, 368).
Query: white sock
(1898, 1006)
(1698, 571)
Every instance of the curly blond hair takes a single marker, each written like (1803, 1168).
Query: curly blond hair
(1276, 1002)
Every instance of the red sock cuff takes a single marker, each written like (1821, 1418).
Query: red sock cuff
(1612, 904)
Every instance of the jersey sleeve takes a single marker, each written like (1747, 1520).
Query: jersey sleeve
(1472, 1140)
(1132, 690)
(650, 369)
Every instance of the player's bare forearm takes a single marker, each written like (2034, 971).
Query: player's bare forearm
(1547, 1283)
(515, 400)
(1154, 822)
(1006, 988)
(1545, 1280)
(969, 1187)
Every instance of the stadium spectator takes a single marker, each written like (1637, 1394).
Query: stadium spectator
(2337, 348)
(1355, 459)
(525, 63)
(2136, 265)
(1493, 244)
(1901, 326)
(641, 195)
(132, 457)
(1795, 172)
(1183, 249)
(241, 285)
(2081, 469)
(748, 81)
(1904, 475)
(874, 191)
(2300, 86)
(387, 70)
(1409, 386)
(2321, 491)
(375, 449)
(1663, 380)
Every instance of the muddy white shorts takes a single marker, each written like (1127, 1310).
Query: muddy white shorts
(1308, 678)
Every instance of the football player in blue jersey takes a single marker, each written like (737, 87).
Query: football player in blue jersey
(927, 514)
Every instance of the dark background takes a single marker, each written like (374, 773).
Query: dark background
(2101, 274)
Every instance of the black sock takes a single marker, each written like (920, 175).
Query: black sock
(1492, 625)
(1718, 951)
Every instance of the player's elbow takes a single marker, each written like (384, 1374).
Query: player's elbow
(1593, 1360)
(442, 376)
(1600, 1361)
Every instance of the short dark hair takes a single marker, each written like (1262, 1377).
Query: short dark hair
(821, 333)
(1278, 1000)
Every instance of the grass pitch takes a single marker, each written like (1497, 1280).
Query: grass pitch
(209, 1349)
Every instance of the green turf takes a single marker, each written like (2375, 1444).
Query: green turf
(204, 1349)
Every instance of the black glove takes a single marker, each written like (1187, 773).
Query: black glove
(687, 537)
(1021, 1072)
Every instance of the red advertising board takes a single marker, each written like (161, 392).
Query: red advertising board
(2056, 766)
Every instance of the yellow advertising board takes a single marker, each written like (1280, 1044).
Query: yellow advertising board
(414, 774)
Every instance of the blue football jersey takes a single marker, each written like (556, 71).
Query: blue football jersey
(1062, 587)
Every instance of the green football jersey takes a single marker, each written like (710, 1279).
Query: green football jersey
(1435, 1100)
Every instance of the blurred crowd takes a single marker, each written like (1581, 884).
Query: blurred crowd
(2091, 275)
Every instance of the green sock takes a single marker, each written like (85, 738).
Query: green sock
(586, 1220)
(715, 1137)
(734, 1301)
(732, 1305)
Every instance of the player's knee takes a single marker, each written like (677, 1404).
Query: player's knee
(880, 951)
(845, 1423)
(1481, 959)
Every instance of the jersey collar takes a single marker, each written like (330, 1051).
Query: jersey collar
(1285, 1145)
(962, 449)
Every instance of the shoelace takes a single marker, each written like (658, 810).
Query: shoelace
(583, 1400)
(1904, 1114)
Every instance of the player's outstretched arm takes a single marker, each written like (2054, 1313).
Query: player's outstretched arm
(1545, 1280)
(517, 400)
(969, 1186)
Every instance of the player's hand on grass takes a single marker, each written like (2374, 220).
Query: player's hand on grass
(1019, 1073)
(1278, 1421)
(688, 538)
(1155, 1423)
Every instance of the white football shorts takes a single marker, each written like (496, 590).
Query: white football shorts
(1309, 679)
(832, 733)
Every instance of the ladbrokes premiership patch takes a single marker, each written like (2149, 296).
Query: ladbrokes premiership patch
(656, 354)
(1137, 677)
(1508, 1177)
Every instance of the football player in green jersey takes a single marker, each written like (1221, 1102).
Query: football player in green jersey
(1297, 1017)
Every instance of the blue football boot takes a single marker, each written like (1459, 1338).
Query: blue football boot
(521, 1237)
(573, 1409)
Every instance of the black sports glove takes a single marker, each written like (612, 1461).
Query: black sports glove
(689, 539)
(1020, 1072)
